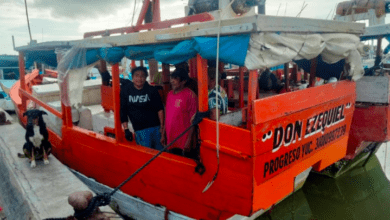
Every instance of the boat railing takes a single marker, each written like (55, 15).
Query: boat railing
(51, 73)
(154, 25)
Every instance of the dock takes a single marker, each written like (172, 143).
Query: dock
(33, 193)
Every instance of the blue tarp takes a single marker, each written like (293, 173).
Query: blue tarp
(233, 50)
(47, 57)
(9, 60)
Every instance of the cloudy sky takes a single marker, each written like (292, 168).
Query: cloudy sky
(52, 20)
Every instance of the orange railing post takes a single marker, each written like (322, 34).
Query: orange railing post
(192, 67)
(252, 93)
(156, 11)
(241, 95)
(22, 74)
(116, 90)
(142, 14)
(202, 83)
(133, 65)
(313, 69)
(165, 77)
(286, 76)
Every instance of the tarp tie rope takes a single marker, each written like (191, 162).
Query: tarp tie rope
(221, 14)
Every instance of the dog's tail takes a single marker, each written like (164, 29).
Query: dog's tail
(21, 155)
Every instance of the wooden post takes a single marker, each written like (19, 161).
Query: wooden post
(193, 67)
(153, 69)
(252, 90)
(305, 75)
(133, 65)
(286, 77)
(22, 74)
(294, 74)
(202, 84)
(378, 51)
(165, 77)
(313, 69)
(241, 94)
(116, 93)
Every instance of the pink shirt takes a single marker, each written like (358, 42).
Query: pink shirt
(180, 108)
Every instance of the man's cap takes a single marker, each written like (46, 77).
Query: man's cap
(181, 73)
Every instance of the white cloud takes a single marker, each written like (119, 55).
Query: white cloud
(80, 9)
(70, 19)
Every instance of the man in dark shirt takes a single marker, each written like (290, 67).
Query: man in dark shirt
(142, 104)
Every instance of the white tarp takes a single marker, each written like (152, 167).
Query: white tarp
(73, 70)
(271, 49)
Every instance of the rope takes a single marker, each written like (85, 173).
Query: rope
(221, 14)
(217, 109)
(198, 118)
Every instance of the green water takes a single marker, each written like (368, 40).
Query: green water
(362, 193)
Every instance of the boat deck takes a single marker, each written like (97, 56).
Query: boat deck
(33, 193)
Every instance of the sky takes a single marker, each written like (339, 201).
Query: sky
(52, 20)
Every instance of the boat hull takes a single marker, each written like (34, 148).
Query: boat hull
(245, 185)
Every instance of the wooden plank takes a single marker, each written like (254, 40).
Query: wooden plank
(260, 23)
(307, 25)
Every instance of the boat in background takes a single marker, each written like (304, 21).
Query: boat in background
(9, 73)
(265, 147)
(371, 120)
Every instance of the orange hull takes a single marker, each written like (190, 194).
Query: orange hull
(257, 169)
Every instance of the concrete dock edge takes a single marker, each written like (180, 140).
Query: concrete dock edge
(33, 193)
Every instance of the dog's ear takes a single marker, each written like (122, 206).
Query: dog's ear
(43, 113)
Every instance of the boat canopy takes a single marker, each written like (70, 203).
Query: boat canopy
(255, 51)
(256, 42)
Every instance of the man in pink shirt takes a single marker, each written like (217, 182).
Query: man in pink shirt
(181, 106)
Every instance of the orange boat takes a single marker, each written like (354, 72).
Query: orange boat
(267, 145)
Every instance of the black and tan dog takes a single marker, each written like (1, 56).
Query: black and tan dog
(37, 137)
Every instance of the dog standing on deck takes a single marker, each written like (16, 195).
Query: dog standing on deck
(37, 137)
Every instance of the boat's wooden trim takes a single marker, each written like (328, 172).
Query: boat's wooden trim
(155, 25)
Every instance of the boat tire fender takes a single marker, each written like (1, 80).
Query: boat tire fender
(98, 200)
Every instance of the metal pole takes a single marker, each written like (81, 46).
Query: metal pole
(28, 22)
(13, 41)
